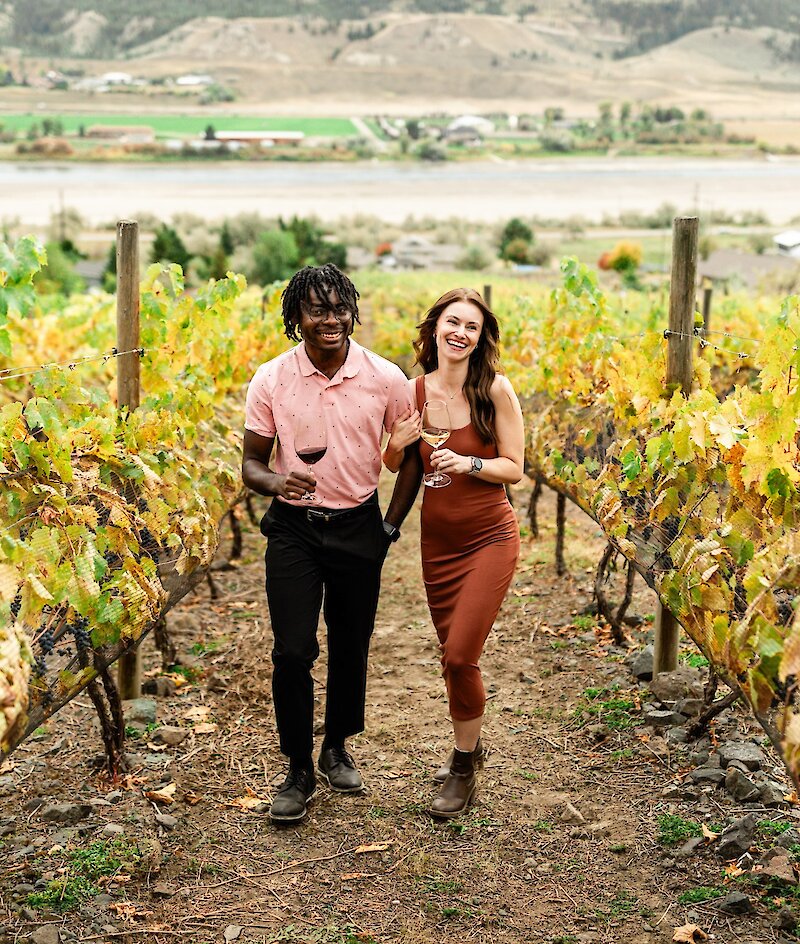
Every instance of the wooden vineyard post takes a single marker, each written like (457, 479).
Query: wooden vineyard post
(130, 663)
(679, 375)
(487, 296)
(707, 292)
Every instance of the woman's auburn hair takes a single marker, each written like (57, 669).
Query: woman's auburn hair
(484, 362)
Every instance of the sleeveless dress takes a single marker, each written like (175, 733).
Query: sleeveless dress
(470, 545)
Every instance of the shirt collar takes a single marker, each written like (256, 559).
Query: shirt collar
(351, 366)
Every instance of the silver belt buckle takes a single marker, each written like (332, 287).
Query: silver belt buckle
(313, 515)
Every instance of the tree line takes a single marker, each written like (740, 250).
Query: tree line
(658, 22)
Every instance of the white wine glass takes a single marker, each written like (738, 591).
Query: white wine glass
(435, 432)
(310, 444)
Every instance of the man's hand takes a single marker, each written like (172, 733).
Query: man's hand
(296, 484)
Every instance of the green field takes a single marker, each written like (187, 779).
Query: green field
(167, 125)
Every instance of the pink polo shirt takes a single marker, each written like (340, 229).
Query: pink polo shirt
(363, 399)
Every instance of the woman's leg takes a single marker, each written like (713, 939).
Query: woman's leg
(467, 733)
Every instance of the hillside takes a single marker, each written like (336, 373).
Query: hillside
(109, 28)
(402, 60)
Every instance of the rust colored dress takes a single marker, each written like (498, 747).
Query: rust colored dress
(470, 546)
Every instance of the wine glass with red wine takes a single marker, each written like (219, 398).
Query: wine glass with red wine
(310, 444)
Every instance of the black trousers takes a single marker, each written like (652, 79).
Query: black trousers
(308, 561)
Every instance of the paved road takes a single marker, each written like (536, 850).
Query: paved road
(480, 190)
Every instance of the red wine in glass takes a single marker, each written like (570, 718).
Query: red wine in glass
(311, 456)
(310, 444)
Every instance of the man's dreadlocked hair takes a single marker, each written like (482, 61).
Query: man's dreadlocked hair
(323, 279)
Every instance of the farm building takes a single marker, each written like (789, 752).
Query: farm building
(264, 138)
(125, 134)
(788, 243)
(193, 81)
(728, 267)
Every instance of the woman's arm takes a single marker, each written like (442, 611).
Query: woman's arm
(405, 431)
(507, 468)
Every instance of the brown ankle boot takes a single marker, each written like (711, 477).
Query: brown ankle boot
(477, 756)
(458, 789)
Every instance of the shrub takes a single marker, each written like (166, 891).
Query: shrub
(517, 251)
(275, 256)
(168, 247)
(474, 258)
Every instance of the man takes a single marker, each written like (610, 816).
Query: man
(333, 549)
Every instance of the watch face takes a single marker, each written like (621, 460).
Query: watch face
(477, 464)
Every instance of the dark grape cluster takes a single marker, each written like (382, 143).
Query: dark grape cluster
(80, 630)
(785, 611)
(148, 544)
(16, 606)
(47, 641)
(113, 560)
(669, 527)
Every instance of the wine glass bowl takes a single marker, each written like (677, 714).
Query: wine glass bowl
(435, 432)
(310, 444)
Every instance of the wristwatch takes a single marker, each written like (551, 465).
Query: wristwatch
(476, 465)
(391, 532)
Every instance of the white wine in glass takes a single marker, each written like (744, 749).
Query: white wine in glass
(435, 432)
(310, 444)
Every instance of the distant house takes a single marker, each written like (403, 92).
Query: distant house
(417, 252)
(462, 135)
(788, 243)
(474, 122)
(193, 81)
(116, 78)
(125, 134)
(264, 138)
(731, 267)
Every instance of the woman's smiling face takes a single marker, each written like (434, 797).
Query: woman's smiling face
(458, 330)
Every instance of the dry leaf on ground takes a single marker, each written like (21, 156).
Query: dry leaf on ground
(709, 833)
(375, 847)
(165, 795)
(247, 802)
(198, 713)
(689, 934)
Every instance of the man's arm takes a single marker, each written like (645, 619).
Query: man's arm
(406, 487)
(256, 473)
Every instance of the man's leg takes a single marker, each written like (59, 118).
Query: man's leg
(353, 560)
(294, 595)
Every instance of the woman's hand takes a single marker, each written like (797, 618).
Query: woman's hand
(296, 484)
(445, 460)
(406, 430)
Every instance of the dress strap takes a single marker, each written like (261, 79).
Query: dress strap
(419, 390)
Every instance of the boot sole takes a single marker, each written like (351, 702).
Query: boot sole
(325, 777)
(452, 815)
(293, 819)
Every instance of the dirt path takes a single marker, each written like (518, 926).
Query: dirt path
(561, 845)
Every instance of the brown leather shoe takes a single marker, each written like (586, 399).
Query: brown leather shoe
(477, 757)
(458, 789)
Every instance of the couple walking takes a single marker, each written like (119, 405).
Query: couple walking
(327, 539)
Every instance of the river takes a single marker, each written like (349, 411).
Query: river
(485, 190)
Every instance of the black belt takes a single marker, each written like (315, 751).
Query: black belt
(333, 515)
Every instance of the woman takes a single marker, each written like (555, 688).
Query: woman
(470, 538)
